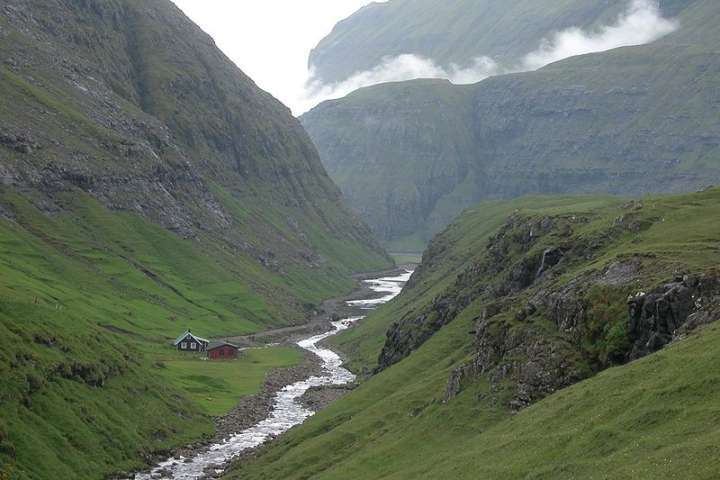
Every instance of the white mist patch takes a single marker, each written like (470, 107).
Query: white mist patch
(398, 69)
(643, 23)
(640, 24)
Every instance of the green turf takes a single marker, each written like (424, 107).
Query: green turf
(79, 402)
(218, 385)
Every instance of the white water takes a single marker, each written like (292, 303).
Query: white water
(287, 411)
(390, 285)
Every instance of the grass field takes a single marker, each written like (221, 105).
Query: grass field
(218, 385)
(406, 258)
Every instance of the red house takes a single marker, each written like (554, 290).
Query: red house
(222, 351)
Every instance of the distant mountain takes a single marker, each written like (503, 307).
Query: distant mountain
(454, 31)
(147, 186)
(410, 156)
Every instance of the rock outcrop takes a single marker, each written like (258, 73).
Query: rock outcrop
(541, 328)
(533, 365)
(21, 143)
(537, 366)
(660, 316)
(511, 264)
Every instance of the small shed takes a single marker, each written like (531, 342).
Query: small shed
(187, 342)
(222, 351)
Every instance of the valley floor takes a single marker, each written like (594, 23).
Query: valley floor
(289, 395)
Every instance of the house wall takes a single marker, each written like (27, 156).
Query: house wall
(222, 353)
(186, 345)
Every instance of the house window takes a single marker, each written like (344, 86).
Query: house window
(183, 345)
(193, 346)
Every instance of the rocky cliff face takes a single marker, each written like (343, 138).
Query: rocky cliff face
(538, 367)
(631, 121)
(553, 307)
(133, 104)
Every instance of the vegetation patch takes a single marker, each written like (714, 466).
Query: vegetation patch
(217, 386)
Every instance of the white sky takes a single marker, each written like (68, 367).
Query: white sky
(270, 39)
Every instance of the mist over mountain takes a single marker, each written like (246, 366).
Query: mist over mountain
(457, 32)
(640, 22)
(410, 156)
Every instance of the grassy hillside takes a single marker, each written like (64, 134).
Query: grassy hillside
(448, 254)
(446, 409)
(147, 186)
(655, 418)
(79, 402)
(411, 156)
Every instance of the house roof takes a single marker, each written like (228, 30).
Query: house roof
(214, 345)
(188, 333)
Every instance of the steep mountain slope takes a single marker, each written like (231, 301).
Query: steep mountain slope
(146, 186)
(454, 31)
(509, 309)
(630, 121)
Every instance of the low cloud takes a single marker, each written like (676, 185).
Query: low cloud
(398, 69)
(642, 23)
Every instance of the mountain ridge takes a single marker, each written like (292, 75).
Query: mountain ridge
(455, 32)
(630, 121)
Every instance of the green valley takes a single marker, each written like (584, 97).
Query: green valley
(147, 186)
(561, 318)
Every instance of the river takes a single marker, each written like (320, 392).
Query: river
(287, 411)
